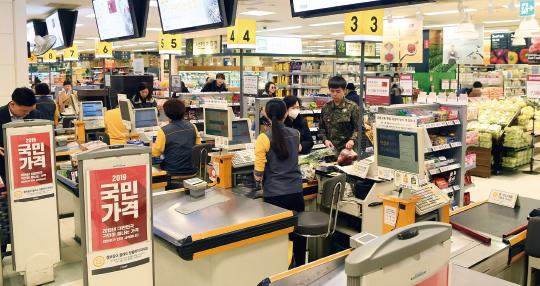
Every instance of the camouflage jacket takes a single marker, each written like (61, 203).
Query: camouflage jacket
(339, 124)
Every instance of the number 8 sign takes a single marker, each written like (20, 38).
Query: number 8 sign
(50, 56)
(242, 35)
(364, 26)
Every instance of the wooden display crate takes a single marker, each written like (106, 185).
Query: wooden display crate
(483, 162)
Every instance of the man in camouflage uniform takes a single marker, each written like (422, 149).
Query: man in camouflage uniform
(338, 126)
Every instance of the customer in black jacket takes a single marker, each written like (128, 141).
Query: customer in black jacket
(21, 107)
(295, 120)
(217, 85)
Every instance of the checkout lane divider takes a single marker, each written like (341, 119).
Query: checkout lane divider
(467, 207)
(516, 230)
(471, 232)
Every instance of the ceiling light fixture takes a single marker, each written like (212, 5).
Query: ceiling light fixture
(117, 47)
(448, 12)
(130, 45)
(91, 16)
(529, 24)
(327, 24)
(315, 52)
(92, 38)
(153, 49)
(496, 31)
(511, 7)
(257, 13)
(309, 36)
(315, 47)
(419, 16)
(337, 34)
(466, 26)
(279, 29)
(147, 43)
(137, 50)
(502, 21)
(78, 42)
(306, 50)
(389, 17)
(331, 41)
(491, 8)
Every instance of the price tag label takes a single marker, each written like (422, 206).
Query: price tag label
(439, 124)
(317, 111)
(454, 145)
(50, 56)
(250, 146)
(458, 143)
(360, 169)
(457, 122)
(170, 44)
(449, 122)
(32, 59)
(456, 188)
(436, 148)
(193, 106)
(432, 125)
(242, 35)
(442, 158)
(103, 49)
(364, 26)
(71, 53)
(446, 146)
(434, 172)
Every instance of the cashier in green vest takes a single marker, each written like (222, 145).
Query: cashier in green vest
(176, 141)
(338, 126)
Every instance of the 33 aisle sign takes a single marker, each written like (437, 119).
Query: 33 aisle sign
(364, 26)
(170, 44)
(242, 35)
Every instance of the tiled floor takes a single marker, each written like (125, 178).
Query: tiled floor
(66, 273)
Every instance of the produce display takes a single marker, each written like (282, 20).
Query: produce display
(516, 159)
(514, 137)
(308, 163)
(430, 116)
(442, 138)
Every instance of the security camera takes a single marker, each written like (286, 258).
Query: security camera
(264, 27)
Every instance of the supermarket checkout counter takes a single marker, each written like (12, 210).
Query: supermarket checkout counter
(219, 239)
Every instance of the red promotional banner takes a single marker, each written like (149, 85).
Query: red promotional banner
(109, 64)
(31, 159)
(378, 90)
(118, 207)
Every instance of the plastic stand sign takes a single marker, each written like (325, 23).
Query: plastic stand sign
(33, 202)
(242, 35)
(170, 44)
(364, 26)
(116, 215)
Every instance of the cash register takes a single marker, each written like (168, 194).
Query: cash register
(142, 121)
(92, 114)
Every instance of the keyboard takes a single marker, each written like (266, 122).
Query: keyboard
(147, 137)
(243, 158)
(93, 124)
(432, 199)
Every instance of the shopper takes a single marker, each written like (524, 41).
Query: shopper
(20, 107)
(176, 140)
(34, 87)
(143, 98)
(396, 97)
(295, 120)
(269, 90)
(338, 126)
(114, 126)
(183, 87)
(64, 96)
(276, 162)
(217, 85)
(464, 90)
(476, 91)
(351, 93)
(45, 104)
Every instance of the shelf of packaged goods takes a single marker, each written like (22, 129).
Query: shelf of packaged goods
(376, 72)
(442, 147)
(318, 111)
(314, 129)
(194, 106)
(301, 73)
(440, 124)
(443, 169)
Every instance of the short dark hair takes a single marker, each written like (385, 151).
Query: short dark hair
(337, 82)
(67, 82)
(174, 109)
(23, 96)
(291, 100)
(42, 89)
(477, 84)
(220, 75)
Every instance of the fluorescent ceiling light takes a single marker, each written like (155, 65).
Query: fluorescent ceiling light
(306, 50)
(331, 41)
(92, 38)
(130, 45)
(395, 17)
(279, 29)
(183, 46)
(503, 21)
(78, 42)
(153, 3)
(496, 31)
(89, 50)
(309, 36)
(153, 29)
(117, 47)
(78, 25)
(304, 42)
(314, 46)
(327, 24)
(337, 34)
(147, 43)
(257, 13)
(325, 49)
(153, 49)
(447, 12)
(137, 50)
(91, 16)
(440, 26)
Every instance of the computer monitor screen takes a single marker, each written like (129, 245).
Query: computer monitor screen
(125, 110)
(204, 14)
(145, 117)
(115, 19)
(240, 130)
(92, 109)
(54, 28)
(216, 122)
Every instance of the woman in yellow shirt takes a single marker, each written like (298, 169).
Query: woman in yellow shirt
(114, 126)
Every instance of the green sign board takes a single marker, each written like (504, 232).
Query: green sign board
(527, 8)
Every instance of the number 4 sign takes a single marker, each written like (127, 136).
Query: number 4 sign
(364, 26)
(242, 35)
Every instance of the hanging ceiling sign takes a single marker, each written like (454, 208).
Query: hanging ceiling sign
(364, 26)
(242, 35)
(50, 56)
(279, 45)
(170, 44)
(203, 46)
(71, 53)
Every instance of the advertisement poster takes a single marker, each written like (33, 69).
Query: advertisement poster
(533, 86)
(31, 163)
(117, 202)
(499, 48)
(534, 51)
(390, 44)
(487, 52)
(518, 52)
(378, 90)
(411, 41)
(457, 50)
(406, 82)
(113, 19)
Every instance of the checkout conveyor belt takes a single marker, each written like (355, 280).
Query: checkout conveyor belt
(217, 228)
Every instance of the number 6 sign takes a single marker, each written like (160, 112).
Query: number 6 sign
(104, 49)
(364, 26)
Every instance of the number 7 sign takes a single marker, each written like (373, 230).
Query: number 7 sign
(242, 35)
(71, 53)
(364, 26)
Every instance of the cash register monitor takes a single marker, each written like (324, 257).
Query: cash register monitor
(126, 109)
(92, 110)
(218, 122)
(146, 118)
(241, 134)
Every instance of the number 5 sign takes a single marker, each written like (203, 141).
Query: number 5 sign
(103, 50)
(364, 26)
(242, 35)
(170, 44)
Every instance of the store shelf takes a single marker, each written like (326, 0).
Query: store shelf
(301, 73)
(195, 106)
(470, 168)
(471, 144)
(443, 147)
(197, 121)
(233, 104)
(448, 168)
(300, 86)
(440, 124)
(376, 72)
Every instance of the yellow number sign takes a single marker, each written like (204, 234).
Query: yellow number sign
(50, 56)
(103, 49)
(170, 44)
(32, 59)
(71, 53)
(364, 26)
(242, 35)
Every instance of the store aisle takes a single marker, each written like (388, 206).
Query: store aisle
(68, 272)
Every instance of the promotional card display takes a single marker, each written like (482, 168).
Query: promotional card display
(203, 46)
(533, 86)
(411, 46)
(457, 50)
(378, 90)
(534, 51)
(406, 82)
(179, 16)
(354, 49)
(390, 44)
(115, 19)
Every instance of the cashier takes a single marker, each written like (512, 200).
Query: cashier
(143, 98)
(217, 85)
(45, 104)
(276, 162)
(64, 97)
(114, 126)
(176, 140)
(295, 120)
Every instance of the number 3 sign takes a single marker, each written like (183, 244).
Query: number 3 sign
(242, 35)
(364, 26)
